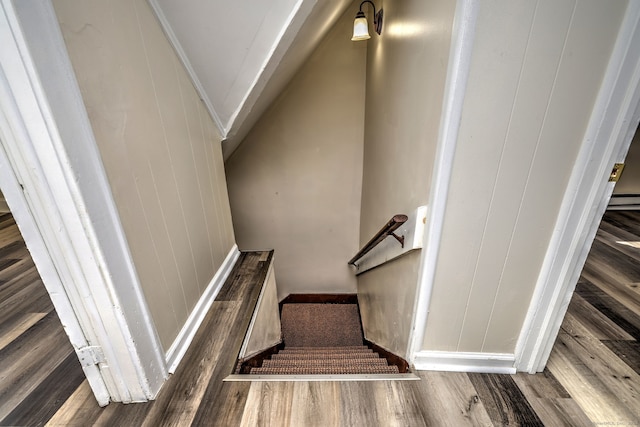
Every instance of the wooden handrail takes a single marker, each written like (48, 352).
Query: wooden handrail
(387, 230)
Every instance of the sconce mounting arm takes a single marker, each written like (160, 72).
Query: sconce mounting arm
(377, 16)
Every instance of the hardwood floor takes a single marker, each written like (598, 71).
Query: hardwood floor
(593, 375)
(38, 367)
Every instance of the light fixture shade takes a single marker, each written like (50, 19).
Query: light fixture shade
(360, 28)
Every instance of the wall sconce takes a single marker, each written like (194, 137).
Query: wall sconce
(361, 26)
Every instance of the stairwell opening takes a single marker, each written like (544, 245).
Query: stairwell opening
(322, 339)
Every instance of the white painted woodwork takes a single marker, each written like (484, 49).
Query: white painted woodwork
(238, 54)
(160, 151)
(27, 220)
(61, 201)
(264, 330)
(406, 75)
(389, 249)
(489, 363)
(295, 182)
(535, 73)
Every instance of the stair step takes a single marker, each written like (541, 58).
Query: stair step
(324, 362)
(321, 339)
(336, 370)
(326, 349)
(330, 353)
(283, 355)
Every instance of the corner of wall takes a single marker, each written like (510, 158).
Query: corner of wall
(180, 345)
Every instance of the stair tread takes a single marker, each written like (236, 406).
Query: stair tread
(321, 349)
(336, 370)
(341, 356)
(329, 353)
(326, 362)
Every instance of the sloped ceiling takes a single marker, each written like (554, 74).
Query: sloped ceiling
(241, 53)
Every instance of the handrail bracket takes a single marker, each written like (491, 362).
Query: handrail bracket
(398, 238)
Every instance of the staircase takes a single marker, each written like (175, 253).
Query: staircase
(325, 360)
(322, 339)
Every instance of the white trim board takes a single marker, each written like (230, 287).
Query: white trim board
(390, 249)
(13, 130)
(489, 363)
(41, 28)
(180, 345)
(611, 127)
(462, 38)
(54, 182)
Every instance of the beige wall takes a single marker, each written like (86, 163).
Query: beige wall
(406, 72)
(630, 180)
(295, 181)
(535, 73)
(160, 150)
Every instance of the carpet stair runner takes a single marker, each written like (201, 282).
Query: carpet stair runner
(325, 360)
(323, 339)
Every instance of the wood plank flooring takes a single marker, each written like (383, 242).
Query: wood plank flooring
(593, 375)
(38, 367)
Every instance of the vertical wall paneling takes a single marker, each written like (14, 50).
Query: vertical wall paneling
(494, 106)
(535, 73)
(613, 123)
(461, 49)
(406, 74)
(525, 113)
(160, 149)
(33, 162)
(579, 76)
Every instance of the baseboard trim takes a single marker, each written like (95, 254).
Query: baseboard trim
(188, 331)
(489, 363)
